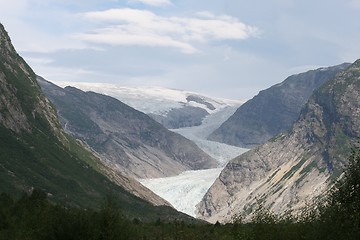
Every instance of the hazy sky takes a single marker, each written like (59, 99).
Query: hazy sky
(222, 48)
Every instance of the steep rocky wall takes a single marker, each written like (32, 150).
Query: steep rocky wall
(273, 110)
(293, 169)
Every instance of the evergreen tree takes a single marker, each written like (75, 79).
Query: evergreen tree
(341, 216)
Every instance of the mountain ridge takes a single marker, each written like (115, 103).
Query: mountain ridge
(130, 139)
(273, 110)
(36, 153)
(294, 168)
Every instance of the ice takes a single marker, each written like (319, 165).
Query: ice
(185, 190)
(156, 100)
(198, 134)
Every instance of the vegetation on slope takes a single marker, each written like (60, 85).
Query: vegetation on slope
(33, 217)
(35, 153)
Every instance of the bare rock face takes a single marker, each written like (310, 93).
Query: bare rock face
(176, 118)
(20, 93)
(135, 143)
(187, 115)
(11, 114)
(273, 110)
(294, 168)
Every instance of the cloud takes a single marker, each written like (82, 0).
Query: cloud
(157, 3)
(142, 27)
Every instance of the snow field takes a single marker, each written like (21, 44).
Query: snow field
(156, 100)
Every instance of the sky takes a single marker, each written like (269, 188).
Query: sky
(229, 48)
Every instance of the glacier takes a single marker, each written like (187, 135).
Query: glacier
(186, 190)
(155, 100)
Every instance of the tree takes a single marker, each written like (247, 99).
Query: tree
(113, 225)
(341, 216)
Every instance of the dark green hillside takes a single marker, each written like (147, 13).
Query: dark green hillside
(36, 153)
(65, 174)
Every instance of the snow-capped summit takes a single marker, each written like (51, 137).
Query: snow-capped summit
(172, 108)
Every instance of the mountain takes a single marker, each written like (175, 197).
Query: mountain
(36, 153)
(172, 108)
(291, 170)
(134, 142)
(273, 110)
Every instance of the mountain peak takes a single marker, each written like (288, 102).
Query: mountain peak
(24, 106)
(6, 46)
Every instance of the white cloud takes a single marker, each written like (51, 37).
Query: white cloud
(142, 27)
(123, 36)
(157, 3)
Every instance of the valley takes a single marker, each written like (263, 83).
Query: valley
(286, 176)
(185, 190)
(161, 119)
(199, 134)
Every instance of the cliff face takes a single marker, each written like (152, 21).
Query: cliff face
(134, 142)
(293, 168)
(36, 153)
(21, 102)
(273, 110)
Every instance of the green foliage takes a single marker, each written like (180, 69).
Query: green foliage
(340, 214)
(34, 217)
(70, 175)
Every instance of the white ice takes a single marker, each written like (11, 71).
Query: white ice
(157, 100)
(187, 189)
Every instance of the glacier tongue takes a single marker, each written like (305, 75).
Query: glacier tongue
(186, 190)
(198, 134)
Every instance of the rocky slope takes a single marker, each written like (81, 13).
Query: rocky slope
(273, 110)
(36, 153)
(135, 143)
(294, 168)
